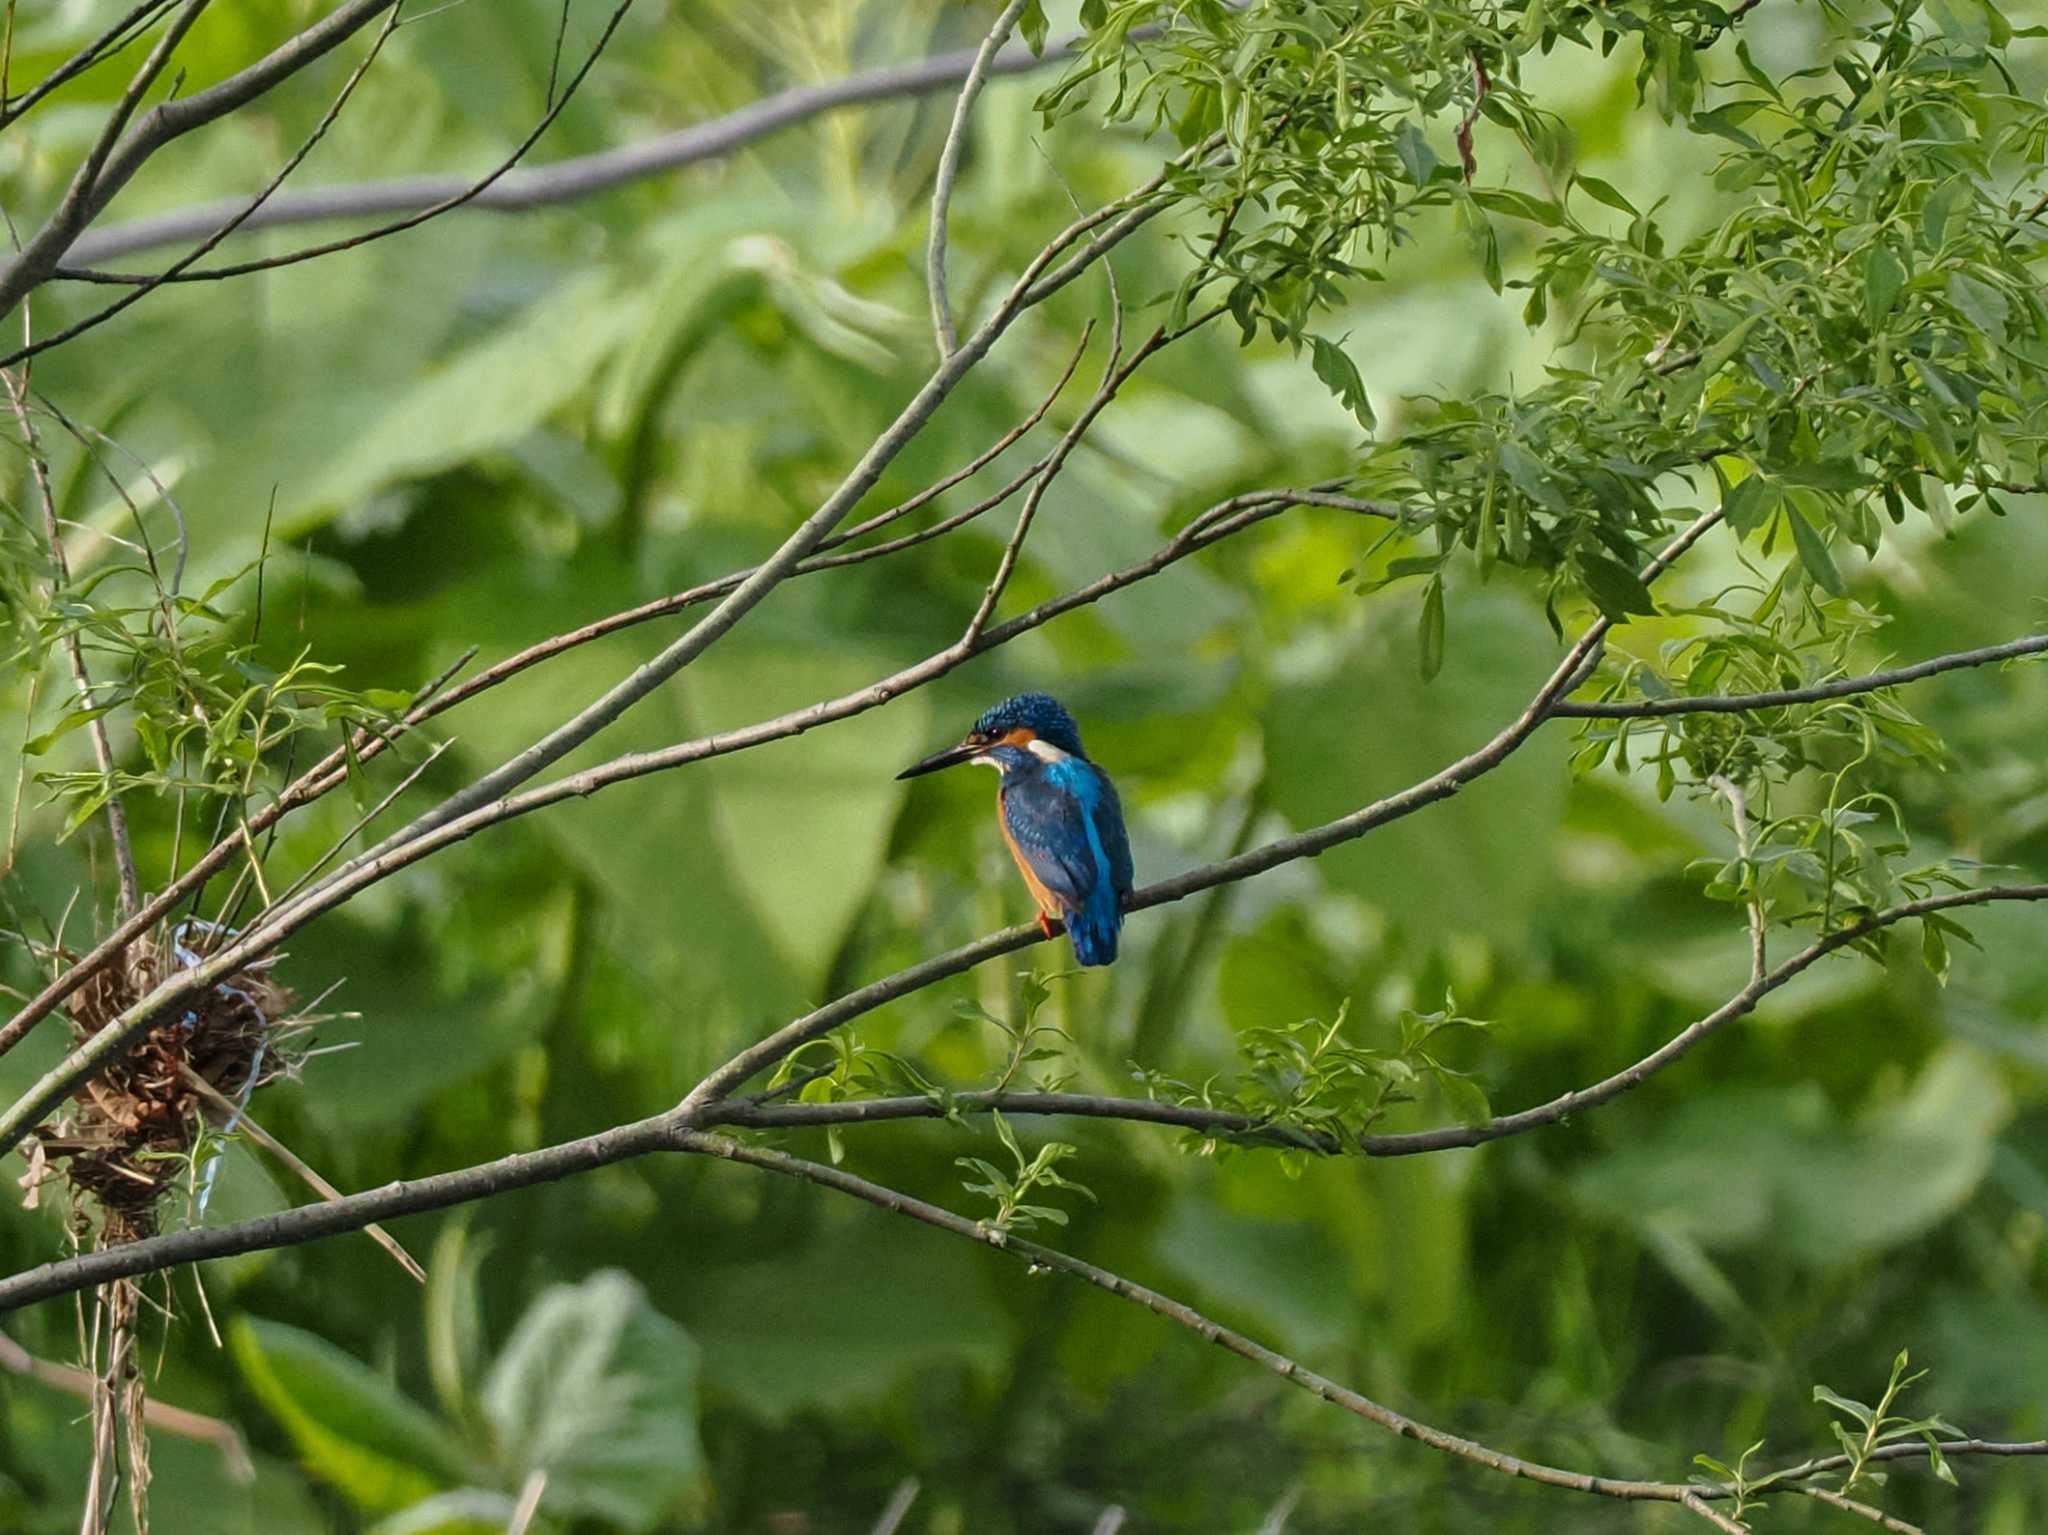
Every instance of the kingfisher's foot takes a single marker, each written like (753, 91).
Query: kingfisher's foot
(1045, 924)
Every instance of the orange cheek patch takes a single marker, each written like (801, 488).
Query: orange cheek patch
(1022, 736)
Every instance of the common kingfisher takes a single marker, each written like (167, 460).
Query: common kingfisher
(1059, 814)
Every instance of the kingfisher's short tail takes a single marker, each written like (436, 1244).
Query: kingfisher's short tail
(1094, 928)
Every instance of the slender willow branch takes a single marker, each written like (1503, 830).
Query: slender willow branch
(105, 46)
(274, 926)
(1178, 1312)
(178, 270)
(1819, 692)
(566, 180)
(110, 1040)
(658, 1133)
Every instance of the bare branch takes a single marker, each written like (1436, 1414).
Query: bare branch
(150, 284)
(1308, 844)
(71, 1380)
(949, 170)
(101, 48)
(1683, 1042)
(1819, 692)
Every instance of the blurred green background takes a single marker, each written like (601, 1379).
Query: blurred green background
(498, 427)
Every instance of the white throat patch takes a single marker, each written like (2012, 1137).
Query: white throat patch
(987, 762)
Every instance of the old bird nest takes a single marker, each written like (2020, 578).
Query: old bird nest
(137, 1129)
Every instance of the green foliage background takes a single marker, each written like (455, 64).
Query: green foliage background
(497, 427)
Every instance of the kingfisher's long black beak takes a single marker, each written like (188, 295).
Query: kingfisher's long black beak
(952, 755)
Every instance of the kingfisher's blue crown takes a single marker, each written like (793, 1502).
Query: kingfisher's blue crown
(1038, 713)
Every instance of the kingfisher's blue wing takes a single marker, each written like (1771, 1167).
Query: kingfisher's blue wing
(1108, 816)
(1047, 827)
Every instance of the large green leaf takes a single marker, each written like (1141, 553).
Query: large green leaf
(598, 1390)
(804, 824)
(1363, 725)
(351, 1426)
(1736, 1168)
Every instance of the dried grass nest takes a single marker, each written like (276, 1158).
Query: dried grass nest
(130, 1135)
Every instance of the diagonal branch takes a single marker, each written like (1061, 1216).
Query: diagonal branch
(332, 770)
(1696, 1498)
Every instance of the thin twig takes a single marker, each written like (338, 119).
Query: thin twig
(240, 1118)
(949, 171)
(1819, 692)
(96, 728)
(897, 1509)
(365, 237)
(529, 1497)
(218, 1432)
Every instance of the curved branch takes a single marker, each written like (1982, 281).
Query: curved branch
(454, 1188)
(1819, 692)
(1691, 1495)
(566, 180)
(177, 272)
(749, 1114)
(945, 335)
(1179, 1313)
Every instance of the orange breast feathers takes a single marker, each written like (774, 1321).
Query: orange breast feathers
(1047, 901)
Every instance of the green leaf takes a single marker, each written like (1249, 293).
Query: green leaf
(1333, 365)
(599, 1390)
(1031, 23)
(1855, 1409)
(1813, 553)
(1748, 505)
(1981, 304)
(36, 746)
(1883, 277)
(350, 1425)
(1616, 589)
(466, 1511)
(1413, 150)
(1430, 632)
(1601, 192)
